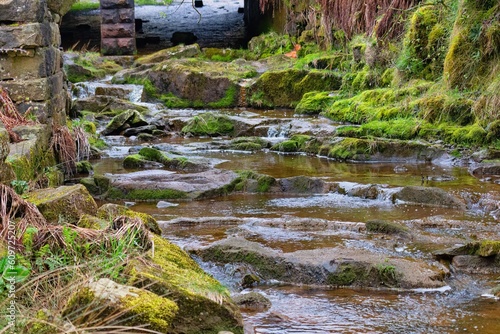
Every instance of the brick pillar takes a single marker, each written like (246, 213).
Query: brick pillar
(117, 27)
(30, 58)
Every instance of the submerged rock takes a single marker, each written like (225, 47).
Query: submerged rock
(427, 196)
(253, 301)
(328, 266)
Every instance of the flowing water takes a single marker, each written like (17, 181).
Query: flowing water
(464, 305)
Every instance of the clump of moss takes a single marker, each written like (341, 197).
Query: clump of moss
(263, 182)
(312, 103)
(248, 144)
(294, 144)
(145, 194)
(353, 149)
(209, 124)
(437, 107)
(91, 66)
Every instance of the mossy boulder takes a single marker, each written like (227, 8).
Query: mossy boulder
(270, 44)
(65, 204)
(96, 185)
(93, 222)
(198, 83)
(295, 144)
(109, 212)
(88, 66)
(152, 157)
(104, 105)
(249, 181)
(303, 185)
(286, 88)
(430, 196)
(124, 304)
(204, 305)
(252, 301)
(126, 119)
(209, 124)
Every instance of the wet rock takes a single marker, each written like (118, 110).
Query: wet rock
(427, 196)
(253, 301)
(328, 266)
(209, 124)
(96, 185)
(149, 157)
(303, 184)
(475, 264)
(490, 169)
(164, 204)
(249, 280)
(65, 204)
(129, 304)
(123, 121)
(149, 129)
(111, 211)
(158, 184)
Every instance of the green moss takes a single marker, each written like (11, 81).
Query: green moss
(172, 101)
(209, 124)
(313, 103)
(471, 58)
(229, 100)
(286, 88)
(405, 129)
(264, 182)
(84, 167)
(352, 149)
(488, 248)
(270, 44)
(424, 46)
(149, 308)
(346, 274)
(135, 161)
(386, 227)
(437, 107)
(203, 302)
(145, 194)
(387, 274)
(248, 143)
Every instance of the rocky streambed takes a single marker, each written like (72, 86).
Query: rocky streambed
(313, 233)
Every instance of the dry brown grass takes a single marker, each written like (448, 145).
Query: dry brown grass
(65, 148)
(10, 116)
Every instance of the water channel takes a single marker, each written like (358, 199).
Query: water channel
(463, 305)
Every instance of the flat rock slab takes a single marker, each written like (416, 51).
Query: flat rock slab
(327, 266)
(206, 184)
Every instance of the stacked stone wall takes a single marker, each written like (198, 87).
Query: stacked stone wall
(117, 27)
(31, 58)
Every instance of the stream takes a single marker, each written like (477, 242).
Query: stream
(463, 305)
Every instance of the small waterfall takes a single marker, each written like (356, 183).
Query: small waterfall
(242, 100)
(278, 132)
(132, 93)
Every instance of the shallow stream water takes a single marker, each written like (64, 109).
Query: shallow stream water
(464, 305)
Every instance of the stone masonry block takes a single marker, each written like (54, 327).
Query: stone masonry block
(23, 10)
(111, 4)
(36, 89)
(30, 35)
(118, 46)
(52, 111)
(121, 15)
(38, 63)
(117, 30)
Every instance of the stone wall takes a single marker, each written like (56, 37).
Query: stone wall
(117, 27)
(30, 57)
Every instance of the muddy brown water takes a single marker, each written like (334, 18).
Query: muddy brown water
(464, 305)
